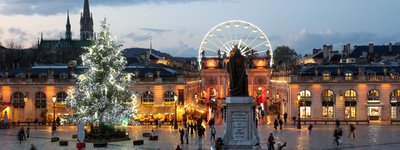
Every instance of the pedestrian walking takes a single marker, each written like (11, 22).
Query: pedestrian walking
(336, 136)
(36, 123)
(276, 124)
(352, 129)
(191, 128)
(23, 133)
(213, 132)
(310, 128)
(280, 124)
(285, 117)
(19, 135)
(28, 130)
(337, 123)
(53, 129)
(294, 120)
(271, 142)
(182, 133)
(187, 136)
(279, 115)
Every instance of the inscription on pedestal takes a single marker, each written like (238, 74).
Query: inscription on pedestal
(240, 125)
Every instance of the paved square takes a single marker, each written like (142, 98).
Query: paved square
(321, 137)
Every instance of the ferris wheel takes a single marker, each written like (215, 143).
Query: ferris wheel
(221, 38)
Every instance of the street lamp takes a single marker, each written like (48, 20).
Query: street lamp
(299, 103)
(54, 127)
(175, 119)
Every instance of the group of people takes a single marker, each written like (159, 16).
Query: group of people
(279, 121)
(338, 133)
(23, 134)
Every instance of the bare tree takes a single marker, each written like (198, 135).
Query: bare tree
(12, 44)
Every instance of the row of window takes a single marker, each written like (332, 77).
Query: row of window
(349, 75)
(41, 76)
(148, 98)
(18, 99)
(349, 112)
(373, 96)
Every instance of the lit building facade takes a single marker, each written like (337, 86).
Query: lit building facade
(27, 95)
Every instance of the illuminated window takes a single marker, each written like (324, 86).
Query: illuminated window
(61, 96)
(350, 112)
(327, 111)
(348, 76)
(328, 95)
(169, 98)
(373, 97)
(18, 100)
(40, 100)
(305, 95)
(350, 95)
(305, 112)
(326, 76)
(148, 98)
(395, 96)
(393, 113)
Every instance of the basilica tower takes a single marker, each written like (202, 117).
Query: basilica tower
(68, 34)
(86, 22)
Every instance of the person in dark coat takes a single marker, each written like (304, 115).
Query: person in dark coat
(271, 142)
(294, 120)
(182, 133)
(310, 128)
(285, 117)
(280, 124)
(276, 124)
(352, 129)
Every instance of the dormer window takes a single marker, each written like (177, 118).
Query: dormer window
(63, 76)
(43, 76)
(149, 75)
(348, 76)
(326, 76)
(20, 76)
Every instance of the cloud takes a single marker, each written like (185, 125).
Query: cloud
(18, 34)
(136, 37)
(304, 41)
(155, 30)
(51, 7)
(181, 50)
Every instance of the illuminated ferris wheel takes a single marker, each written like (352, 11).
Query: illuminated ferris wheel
(220, 40)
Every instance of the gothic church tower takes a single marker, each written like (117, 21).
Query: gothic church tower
(86, 22)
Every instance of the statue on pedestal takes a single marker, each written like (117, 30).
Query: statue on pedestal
(238, 83)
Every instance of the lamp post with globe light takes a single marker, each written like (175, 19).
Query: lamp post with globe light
(54, 127)
(299, 104)
(175, 118)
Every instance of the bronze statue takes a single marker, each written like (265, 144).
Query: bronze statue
(237, 73)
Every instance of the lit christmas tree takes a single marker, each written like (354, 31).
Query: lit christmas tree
(102, 93)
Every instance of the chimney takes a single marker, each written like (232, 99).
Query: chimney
(346, 50)
(371, 48)
(390, 48)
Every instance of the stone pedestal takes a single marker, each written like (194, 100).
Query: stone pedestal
(240, 123)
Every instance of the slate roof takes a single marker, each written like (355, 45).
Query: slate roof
(333, 69)
(379, 50)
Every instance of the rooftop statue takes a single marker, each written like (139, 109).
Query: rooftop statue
(237, 73)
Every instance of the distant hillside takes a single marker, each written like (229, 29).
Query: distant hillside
(132, 52)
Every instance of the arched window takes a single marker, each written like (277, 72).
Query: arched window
(350, 102)
(40, 100)
(169, 98)
(395, 96)
(148, 98)
(328, 95)
(395, 101)
(350, 95)
(61, 96)
(18, 100)
(373, 96)
(305, 95)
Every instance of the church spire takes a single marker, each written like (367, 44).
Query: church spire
(86, 22)
(68, 34)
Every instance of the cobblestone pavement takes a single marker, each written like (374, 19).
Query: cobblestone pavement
(367, 137)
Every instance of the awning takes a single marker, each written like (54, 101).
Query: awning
(196, 106)
(61, 110)
(152, 110)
